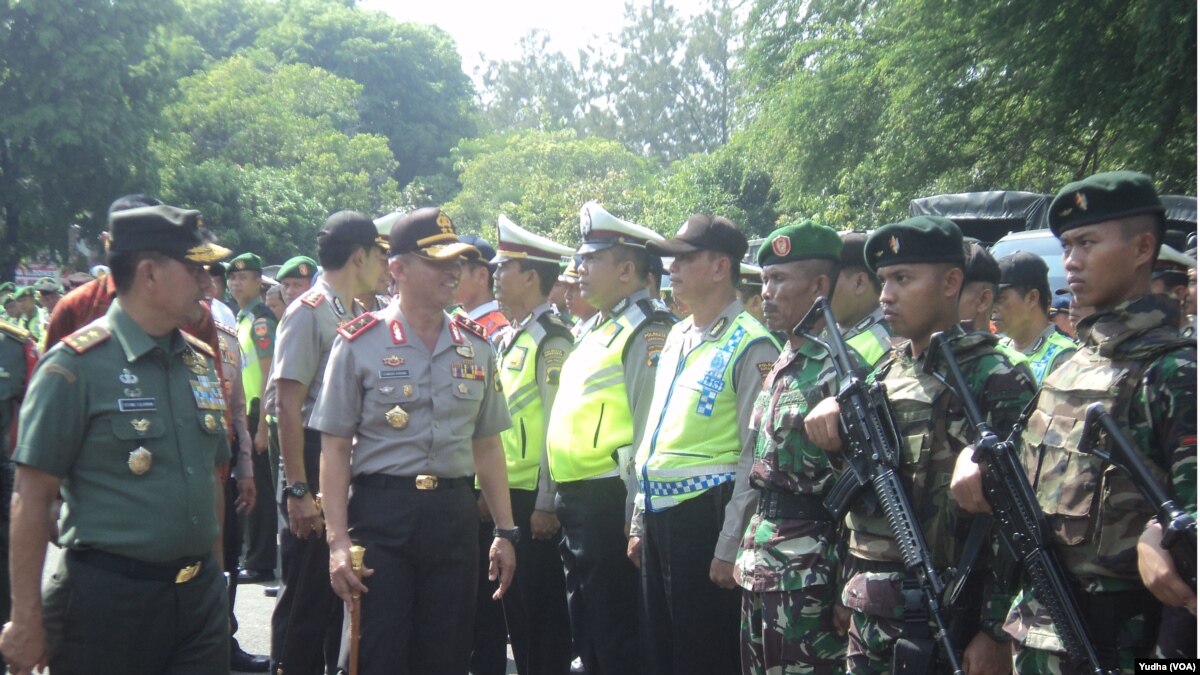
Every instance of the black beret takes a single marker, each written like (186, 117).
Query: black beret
(1104, 196)
(921, 239)
(979, 264)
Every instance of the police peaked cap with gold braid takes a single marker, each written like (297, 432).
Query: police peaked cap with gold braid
(428, 233)
(601, 229)
(517, 243)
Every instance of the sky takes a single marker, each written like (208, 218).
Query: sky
(493, 28)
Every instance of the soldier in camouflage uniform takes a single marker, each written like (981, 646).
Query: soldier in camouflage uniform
(920, 262)
(1133, 360)
(788, 561)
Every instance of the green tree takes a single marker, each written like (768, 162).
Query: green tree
(724, 183)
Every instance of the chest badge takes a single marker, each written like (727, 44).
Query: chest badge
(127, 377)
(387, 391)
(392, 360)
(210, 422)
(397, 417)
(462, 388)
(407, 390)
(140, 461)
(194, 363)
(140, 425)
(465, 351)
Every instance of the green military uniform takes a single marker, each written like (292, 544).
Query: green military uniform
(1134, 361)
(35, 322)
(134, 426)
(933, 431)
(17, 354)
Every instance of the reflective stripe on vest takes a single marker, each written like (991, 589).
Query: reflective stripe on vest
(591, 419)
(695, 444)
(523, 442)
(1042, 357)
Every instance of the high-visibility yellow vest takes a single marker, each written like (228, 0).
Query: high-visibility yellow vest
(518, 365)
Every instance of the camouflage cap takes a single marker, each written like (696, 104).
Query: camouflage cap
(246, 262)
(921, 239)
(806, 240)
(1104, 196)
(300, 267)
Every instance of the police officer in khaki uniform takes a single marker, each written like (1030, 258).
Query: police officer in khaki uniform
(690, 513)
(306, 624)
(598, 419)
(409, 410)
(126, 418)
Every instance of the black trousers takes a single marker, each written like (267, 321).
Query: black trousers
(689, 624)
(261, 524)
(306, 626)
(231, 540)
(489, 646)
(418, 614)
(602, 585)
(100, 622)
(535, 606)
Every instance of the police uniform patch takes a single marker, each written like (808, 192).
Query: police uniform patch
(397, 330)
(655, 339)
(764, 368)
(353, 329)
(516, 358)
(313, 299)
(86, 338)
(261, 329)
(610, 332)
(553, 358)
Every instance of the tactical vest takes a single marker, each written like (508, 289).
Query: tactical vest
(1094, 512)
(695, 444)
(523, 442)
(1042, 357)
(922, 404)
(591, 418)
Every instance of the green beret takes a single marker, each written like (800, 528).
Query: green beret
(7, 287)
(923, 239)
(301, 267)
(804, 241)
(246, 262)
(1104, 196)
(23, 291)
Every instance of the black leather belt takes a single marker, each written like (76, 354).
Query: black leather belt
(176, 571)
(790, 506)
(422, 482)
(862, 565)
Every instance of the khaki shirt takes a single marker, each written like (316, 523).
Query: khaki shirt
(108, 396)
(409, 410)
(305, 338)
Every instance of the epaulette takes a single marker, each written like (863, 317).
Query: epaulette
(226, 328)
(197, 343)
(465, 322)
(16, 332)
(356, 327)
(313, 298)
(85, 338)
(555, 326)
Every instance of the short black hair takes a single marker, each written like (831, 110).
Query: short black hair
(637, 256)
(333, 254)
(547, 273)
(123, 267)
(1043, 290)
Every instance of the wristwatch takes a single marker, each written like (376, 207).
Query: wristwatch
(513, 535)
(297, 489)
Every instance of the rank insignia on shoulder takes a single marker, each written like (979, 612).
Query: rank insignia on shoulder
(357, 327)
(15, 331)
(197, 343)
(226, 329)
(718, 328)
(470, 325)
(313, 299)
(610, 332)
(86, 338)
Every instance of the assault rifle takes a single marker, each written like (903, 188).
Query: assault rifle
(873, 456)
(1017, 515)
(1179, 528)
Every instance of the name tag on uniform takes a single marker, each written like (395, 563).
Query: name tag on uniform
(135, 404)
(388, 374)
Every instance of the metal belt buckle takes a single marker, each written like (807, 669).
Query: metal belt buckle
(188, 573)
(426, 482)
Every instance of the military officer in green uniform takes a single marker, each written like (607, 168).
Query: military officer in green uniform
(598, 419)
(296, 276)
(709, 374)
(920, 262)
(1133, 360)
(410, 411)
(787, 565)
(125, 418)
(531, 355)
(256, 334)
(306, 621)
(1022, 315)
(855, 302)
(29, 315)
(18, 355)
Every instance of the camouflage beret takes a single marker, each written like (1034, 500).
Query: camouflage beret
(1104, 196)
(921, 239)
(805, 240)
(300, 267)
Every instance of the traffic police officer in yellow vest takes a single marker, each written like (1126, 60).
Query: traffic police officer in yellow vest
(1021, 313)
(690, 514)
(125, 418)
(598, 418)
(532, 352)
(855, 302)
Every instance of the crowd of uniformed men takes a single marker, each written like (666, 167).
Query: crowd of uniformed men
(535, 450)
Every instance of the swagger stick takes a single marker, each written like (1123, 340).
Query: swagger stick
(356, 565)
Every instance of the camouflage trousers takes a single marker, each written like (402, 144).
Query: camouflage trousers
(1030, 661)
(791, 632)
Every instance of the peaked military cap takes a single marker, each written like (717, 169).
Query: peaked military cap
(172, 231)
(1104, 196)
(806, 240)
(429, 233)
(921, 239)
(601, 229)
(750, 275)
(300, 267)
(570, 275)
(246, 262)
(517, 243)
(703, 232)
